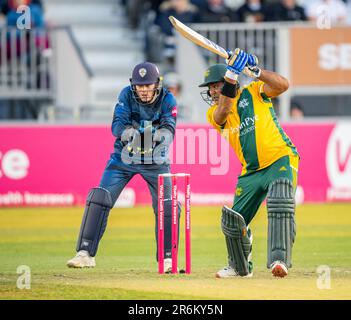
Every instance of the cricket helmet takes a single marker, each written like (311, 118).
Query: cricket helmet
(214, 73)
(145, 73)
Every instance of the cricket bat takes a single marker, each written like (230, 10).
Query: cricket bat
(197, 38)
(201, 41)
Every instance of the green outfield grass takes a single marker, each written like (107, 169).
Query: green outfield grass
(44, 239)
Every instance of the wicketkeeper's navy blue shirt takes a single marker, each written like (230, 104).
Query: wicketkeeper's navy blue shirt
(128, 112)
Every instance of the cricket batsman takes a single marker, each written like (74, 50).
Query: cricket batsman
(144, 123)
(246, 118)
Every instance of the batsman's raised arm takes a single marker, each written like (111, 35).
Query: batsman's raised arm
(274, 83)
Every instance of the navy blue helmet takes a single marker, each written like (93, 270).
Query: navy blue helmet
(145, 73)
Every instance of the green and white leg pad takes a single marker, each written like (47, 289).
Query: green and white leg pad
(237, 240)
(281, 222)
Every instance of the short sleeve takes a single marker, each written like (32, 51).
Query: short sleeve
(257, 89)
(211, 120)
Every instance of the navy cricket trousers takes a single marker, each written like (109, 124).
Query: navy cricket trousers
(116, 176)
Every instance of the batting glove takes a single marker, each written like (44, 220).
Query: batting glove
(252, 61)
(236, 63)
(252, 70)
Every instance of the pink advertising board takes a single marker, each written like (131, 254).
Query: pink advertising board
(57, 165)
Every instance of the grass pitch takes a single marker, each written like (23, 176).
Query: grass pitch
(44, 239)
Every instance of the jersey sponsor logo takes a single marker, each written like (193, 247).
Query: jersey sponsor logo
(282, 169)
(246, 125)
(243, 103)
(174, 111)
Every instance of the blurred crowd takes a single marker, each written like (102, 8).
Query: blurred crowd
(152, 16)
(20, 57)
(9, 14)
(150, 20)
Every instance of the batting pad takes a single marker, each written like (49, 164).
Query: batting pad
(237, 240)
(97, 209)
(281, 222)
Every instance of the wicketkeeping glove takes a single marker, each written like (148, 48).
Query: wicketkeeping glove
(146, 127)
(236, 63)
(134, 142)
(163, 136)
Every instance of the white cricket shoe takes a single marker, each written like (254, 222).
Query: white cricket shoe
(229, 272)
(167, 265)
(279, 269)
(82, 260)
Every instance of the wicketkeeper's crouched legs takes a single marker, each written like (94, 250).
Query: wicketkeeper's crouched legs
(98, 206)
(281, 222)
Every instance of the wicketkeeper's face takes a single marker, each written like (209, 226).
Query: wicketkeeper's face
(215, 90)
(146, 92)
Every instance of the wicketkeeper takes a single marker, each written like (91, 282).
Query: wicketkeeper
(246, 118)
(144, 125)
